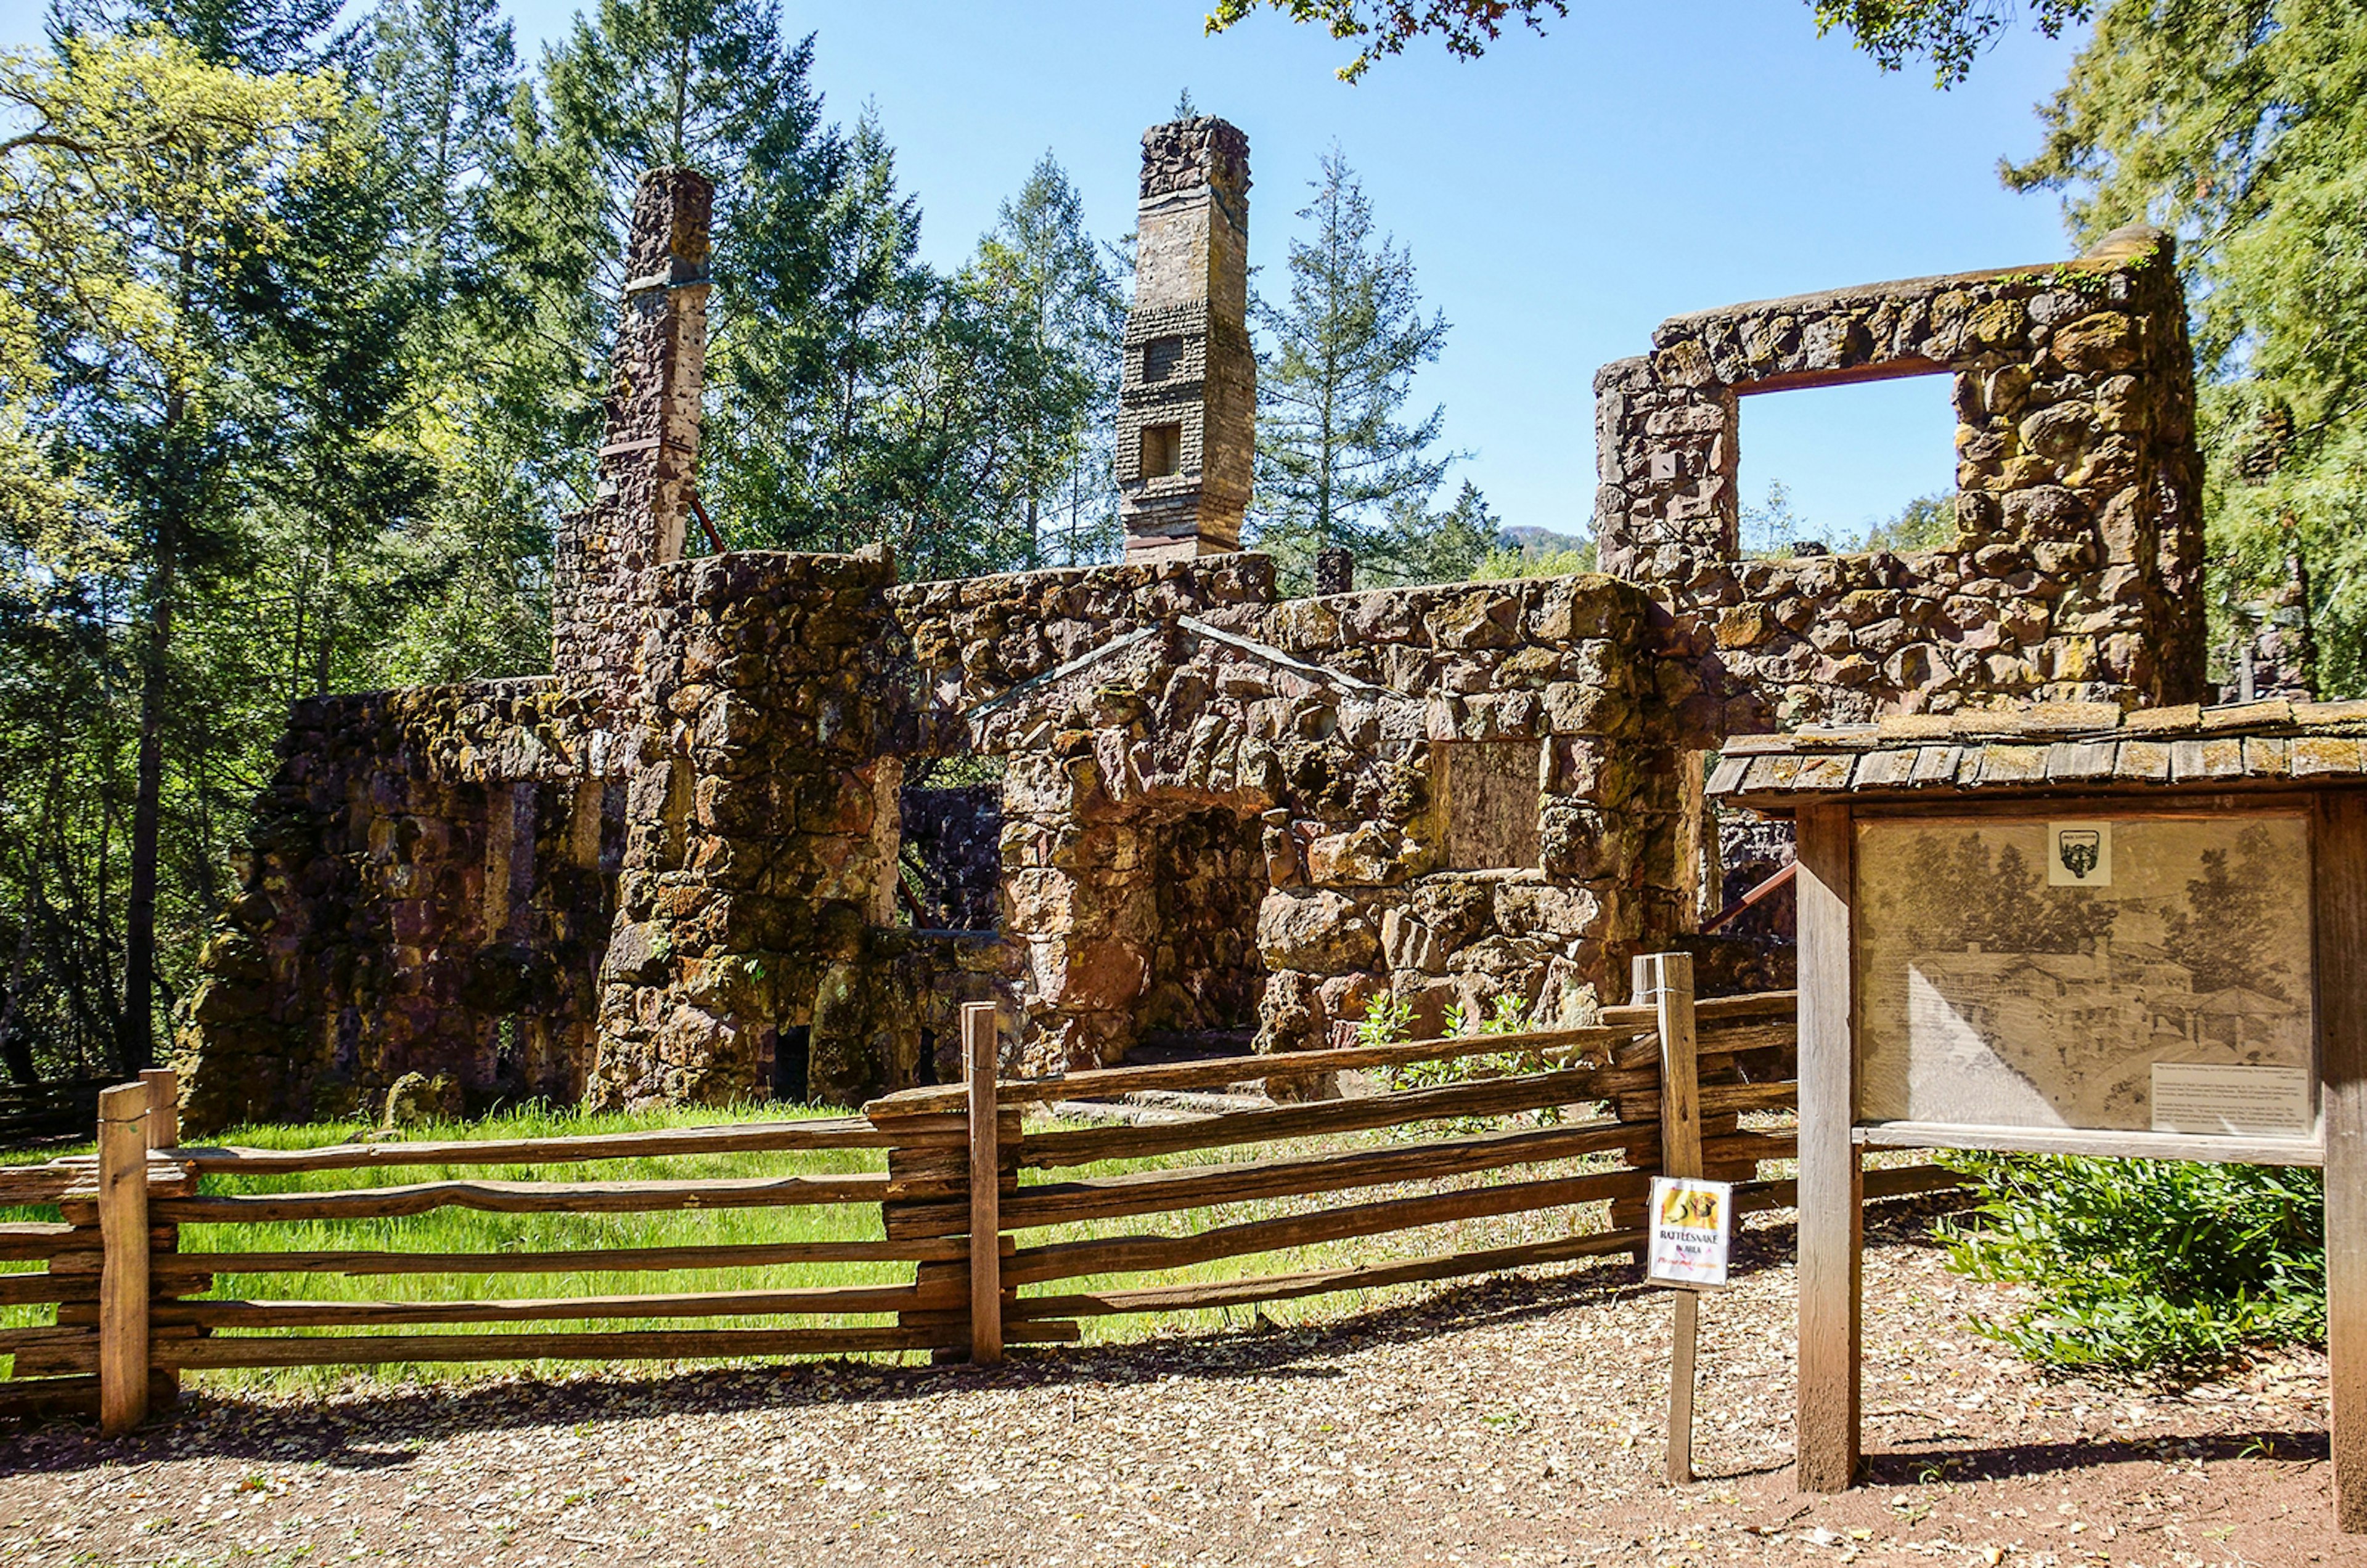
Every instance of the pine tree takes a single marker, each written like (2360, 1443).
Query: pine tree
(1335, 369)
(2236, 124)
(819, 303)
(501, 415)
(1423, 546)
(261, 35)
(443, 72)
(1041, 268)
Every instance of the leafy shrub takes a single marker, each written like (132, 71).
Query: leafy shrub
(2156, 1267)
(1388, 1021)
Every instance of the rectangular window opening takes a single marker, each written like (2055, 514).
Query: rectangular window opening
(1865, 466)
(1162, 451)
(949, 858)
(1161, 359)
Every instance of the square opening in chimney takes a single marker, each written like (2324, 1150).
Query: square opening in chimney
(1162, 451)
(1162, 357)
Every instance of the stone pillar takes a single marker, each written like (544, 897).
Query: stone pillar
(1335, 571)
(649, 451)
(760, 838)
(1187, 406)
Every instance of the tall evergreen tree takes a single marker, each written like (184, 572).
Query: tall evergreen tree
(2238, 124)
(265, 36)
(831, 290)
(1337, 464)
(1042, 267)
(442, 72)
(1423, 546)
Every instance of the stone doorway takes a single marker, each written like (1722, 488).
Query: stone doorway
(1207, 877)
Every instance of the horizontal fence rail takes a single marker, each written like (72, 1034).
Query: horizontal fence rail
(979, 1214)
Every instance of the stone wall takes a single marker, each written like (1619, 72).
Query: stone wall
(760, 847)
(2076, 574)
(1329, 726)
(428, 888)
(1207, 877)
(669, 873)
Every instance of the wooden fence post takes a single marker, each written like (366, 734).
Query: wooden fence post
(1666, 978)
(123, 1242)
(980, 1050)
(164, 1133)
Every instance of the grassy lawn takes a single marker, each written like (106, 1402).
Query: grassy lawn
(457, 1230)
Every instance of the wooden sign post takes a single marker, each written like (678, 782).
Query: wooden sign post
(2341, 911)
(1831, 1233)
(1666, 980)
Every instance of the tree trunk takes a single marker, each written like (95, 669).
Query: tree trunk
(136, 1037)
(14, 1052)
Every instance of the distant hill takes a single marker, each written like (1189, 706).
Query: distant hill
(1537, 552)
(1544, 541)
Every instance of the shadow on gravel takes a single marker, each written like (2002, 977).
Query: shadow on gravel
(379, 1425)
(1907, 1467)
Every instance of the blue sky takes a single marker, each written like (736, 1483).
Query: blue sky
(1559, 196)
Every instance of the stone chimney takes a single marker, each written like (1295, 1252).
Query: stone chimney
(1187, 406)
(649, 449)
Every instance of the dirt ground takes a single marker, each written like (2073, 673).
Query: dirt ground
(1517, 1421)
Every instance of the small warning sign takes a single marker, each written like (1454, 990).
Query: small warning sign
(1693, 1225)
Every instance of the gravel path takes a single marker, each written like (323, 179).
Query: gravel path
(1517, 1421)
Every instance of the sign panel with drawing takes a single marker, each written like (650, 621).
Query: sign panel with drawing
(2150, 974)
(1693, 1226)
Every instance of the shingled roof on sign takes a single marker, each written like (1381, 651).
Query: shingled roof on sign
(2057, 747)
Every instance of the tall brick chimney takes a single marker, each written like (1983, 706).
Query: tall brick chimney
(1187, 405)
(648, 450)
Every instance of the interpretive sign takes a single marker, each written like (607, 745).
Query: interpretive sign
(1692, 1228)
(2053, 933)
(2150, 974)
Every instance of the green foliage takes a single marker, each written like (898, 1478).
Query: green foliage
(1537, 552)
(1337, 466)
(1041, 270)
(1508, 1014)
(1387, 1020)
(1452, 546)
(305, 326)
(1926, 523)
(1950, 34)
(2150, 1268)
(1770, 527)
(2236, 124)
(154, 203)
(1385, 27)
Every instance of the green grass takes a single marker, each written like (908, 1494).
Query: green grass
(457, 1230)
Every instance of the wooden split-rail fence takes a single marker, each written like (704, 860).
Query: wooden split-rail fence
(965, 1198)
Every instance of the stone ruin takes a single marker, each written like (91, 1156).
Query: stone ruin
(686, 866)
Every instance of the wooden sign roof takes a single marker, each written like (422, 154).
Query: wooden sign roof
(2053, 748)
